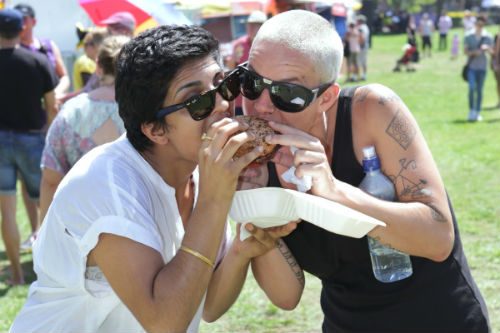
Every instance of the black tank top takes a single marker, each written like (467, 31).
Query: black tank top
(438, 297)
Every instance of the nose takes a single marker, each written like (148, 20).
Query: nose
(221, 107)
(263, 105)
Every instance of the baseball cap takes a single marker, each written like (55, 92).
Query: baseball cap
(25, 9)
(257, 17)
(11, 20)
(123, 18)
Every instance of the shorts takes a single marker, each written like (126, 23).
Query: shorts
(21, 152)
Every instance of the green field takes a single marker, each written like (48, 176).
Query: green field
(468, 156)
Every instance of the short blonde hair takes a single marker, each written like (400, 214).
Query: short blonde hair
(310, 35)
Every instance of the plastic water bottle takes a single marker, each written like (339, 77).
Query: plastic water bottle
(389, 265)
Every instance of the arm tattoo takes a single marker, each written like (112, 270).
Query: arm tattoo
(408, 188)
(414, 190)
(361, 95)
(290, 259)
(401, 130)
(383, 100)
(436, 214)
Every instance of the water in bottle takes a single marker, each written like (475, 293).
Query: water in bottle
(389, 265)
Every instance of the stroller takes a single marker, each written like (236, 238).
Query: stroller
(409, 58)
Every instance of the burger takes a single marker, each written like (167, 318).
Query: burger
(260, 129)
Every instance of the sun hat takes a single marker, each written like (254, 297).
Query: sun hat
(123, 18)
(257, 17)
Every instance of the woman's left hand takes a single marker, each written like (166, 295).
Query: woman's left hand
(309, 159)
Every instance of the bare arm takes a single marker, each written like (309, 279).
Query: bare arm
(280, 276)
(62, 73)
(229, 277)
(48, 186)
(420, 222)
(49, 101)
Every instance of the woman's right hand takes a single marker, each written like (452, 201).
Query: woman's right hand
(218, 170)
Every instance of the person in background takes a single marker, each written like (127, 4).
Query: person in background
(468, 22)
(120, 23)
(495, 65)
(354, 39)
(84, 122)
(300, 51)
(26, 81)
(85, 65)
(476, 47)
(365, 45)
(49, 49)
(241, 46)
(137, 237)
(45, 46)
(84, 69)
(426, 29)
(444, 25)
(455, 46)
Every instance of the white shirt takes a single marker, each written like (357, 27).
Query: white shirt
(112, 189)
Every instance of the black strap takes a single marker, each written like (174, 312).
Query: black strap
(343, 127)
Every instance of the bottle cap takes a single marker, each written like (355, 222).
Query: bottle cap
(369, 152)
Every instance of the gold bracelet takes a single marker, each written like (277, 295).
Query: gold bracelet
(198, 255)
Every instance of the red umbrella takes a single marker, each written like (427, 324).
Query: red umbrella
(99, 10)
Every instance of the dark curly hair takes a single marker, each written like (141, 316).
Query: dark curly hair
(145, 69)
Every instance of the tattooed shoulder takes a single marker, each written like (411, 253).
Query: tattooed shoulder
(401, 130)
(383, 94)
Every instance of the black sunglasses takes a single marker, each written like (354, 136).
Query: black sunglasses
(286, 96)
(202, 105)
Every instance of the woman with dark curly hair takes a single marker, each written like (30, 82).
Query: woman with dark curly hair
(136, 238)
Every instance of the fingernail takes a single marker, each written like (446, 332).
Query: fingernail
(249, 227)
(268, 138)
(260, 149)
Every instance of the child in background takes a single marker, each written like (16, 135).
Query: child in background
(455, 44)
(408, 58)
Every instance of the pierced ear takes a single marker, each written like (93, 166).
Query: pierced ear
(329, 97)
(157, 134)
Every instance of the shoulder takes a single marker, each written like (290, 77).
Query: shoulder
(376, 104)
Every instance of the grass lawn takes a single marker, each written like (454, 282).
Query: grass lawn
(468, 156)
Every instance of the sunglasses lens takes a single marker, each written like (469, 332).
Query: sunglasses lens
(251, 86)
(290, 97)
(201, 106)
(229, 88)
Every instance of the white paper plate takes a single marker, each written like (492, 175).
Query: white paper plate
(273, 206)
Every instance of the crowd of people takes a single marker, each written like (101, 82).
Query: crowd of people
(137, 166)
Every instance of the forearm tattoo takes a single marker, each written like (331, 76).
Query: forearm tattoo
(401, 130)
(290, 259)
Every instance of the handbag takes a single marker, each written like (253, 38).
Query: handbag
(465, 70)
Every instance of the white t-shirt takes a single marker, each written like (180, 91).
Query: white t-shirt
(112, 189)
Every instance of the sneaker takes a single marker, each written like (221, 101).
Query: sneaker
(472, 115)
(479, 117)
(27, 245)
